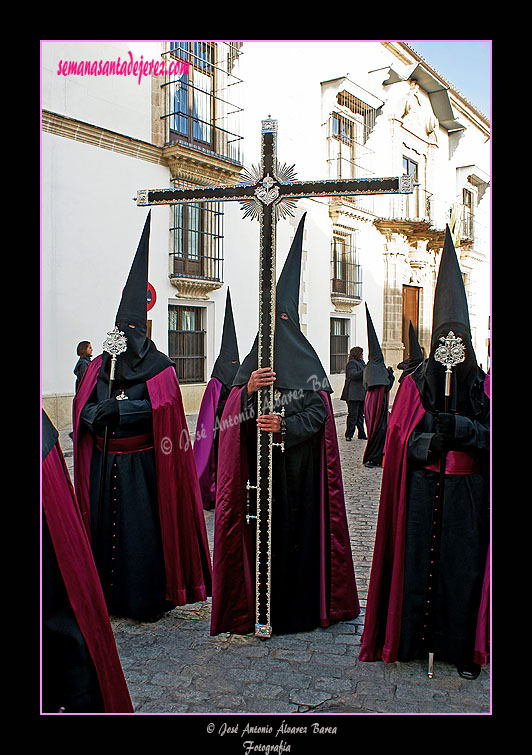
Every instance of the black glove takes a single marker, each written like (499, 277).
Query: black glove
(437, 443)
(107, 414)
(445, 425)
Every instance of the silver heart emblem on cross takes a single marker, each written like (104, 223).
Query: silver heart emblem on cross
(267, 191)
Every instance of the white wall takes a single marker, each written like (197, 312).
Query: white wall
(118, 103)
(90, 232)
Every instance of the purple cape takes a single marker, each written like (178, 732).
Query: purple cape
(204, 443)
(382, 624)
(374, 406)
(233, 603)
(184, 535)
(74, 557)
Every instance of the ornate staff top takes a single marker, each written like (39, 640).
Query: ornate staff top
(115, 343)
(450, 353)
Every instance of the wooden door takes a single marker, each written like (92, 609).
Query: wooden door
(410, 314)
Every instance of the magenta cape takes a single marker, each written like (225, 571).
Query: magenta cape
(74, 557)
(382, 623)
(374, 406)
(184, 535)
(233, 603)
(204, 443)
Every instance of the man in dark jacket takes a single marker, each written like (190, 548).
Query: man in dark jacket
(354, 394)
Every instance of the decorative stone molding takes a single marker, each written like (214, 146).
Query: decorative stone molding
(344, 303)
(194, 288)
(341, 209)
(184, 162)
(198, 166)
(70, 128)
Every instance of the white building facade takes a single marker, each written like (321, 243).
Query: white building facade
(344, 109)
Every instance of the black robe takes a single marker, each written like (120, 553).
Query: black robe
(464, 536)
(81, 671)
(296, 511)
(129, 554)
(69, 679)
(313, 580)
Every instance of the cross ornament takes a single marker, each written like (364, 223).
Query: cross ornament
(268, 193)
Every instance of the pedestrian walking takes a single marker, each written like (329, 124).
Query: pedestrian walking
(354, 394)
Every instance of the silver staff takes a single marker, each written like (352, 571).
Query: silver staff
(114, 344)
(450, 353)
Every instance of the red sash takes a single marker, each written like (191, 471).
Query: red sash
(457, 462)
(127, 445)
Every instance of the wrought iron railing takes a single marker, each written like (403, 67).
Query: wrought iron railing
(200, 100)
(196, 239)
(346, 271)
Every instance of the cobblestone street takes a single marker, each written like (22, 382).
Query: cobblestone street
(175, 666)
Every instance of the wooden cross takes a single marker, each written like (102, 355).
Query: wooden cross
(267, 192)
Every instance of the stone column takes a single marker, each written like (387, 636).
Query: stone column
(395, 260)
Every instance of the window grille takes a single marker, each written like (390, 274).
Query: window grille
(200, 103)
(466, 226)
(186, 342)
(348, 154)
(346, 274)
(196, 239)
(411, 168)
(339, 345)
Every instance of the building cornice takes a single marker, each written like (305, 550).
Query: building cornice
(191, 165)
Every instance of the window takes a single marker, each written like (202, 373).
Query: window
(199, 94)
(346, 272)
(410, 168)
(196, 238)
(410, 306)
(349, 130)
(466, 230)
(191, 94)
(339, 344)
(342, 150)
(186, 342)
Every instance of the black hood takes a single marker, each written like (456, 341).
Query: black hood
(296, 363)
(450, 313)
(375, 372)
(228, 361)
(415, 355)
(141, 360)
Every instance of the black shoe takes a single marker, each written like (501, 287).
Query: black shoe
(362, 437)
(469, 670)
(349, 438)
(369, 464)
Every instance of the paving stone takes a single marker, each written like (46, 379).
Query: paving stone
(308, 697)
(174, 666)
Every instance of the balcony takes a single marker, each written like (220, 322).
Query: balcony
(200, 109)
(346, 279)
(196, 259)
